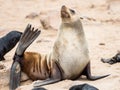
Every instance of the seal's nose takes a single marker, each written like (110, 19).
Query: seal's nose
(63, 7)
(64, 12)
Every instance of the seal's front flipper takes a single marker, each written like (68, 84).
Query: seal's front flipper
(15, 74)
(87, 72)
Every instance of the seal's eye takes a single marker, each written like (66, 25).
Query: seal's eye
(72, 11)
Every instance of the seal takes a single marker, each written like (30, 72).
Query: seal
(68, 59)
(83, 87)
(8, 42)
(113, 60)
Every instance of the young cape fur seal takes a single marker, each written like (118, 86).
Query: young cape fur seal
(8, 42)
(69, 50)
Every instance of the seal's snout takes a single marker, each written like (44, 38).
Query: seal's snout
(63, 7)
(64, 12)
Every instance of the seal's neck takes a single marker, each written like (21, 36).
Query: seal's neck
(75, 26)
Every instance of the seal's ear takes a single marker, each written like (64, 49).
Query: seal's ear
(15, 75)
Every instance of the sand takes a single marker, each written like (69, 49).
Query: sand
(101, 23)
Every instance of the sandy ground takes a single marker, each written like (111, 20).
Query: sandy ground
(101, 22)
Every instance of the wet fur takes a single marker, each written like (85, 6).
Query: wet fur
(8, 42)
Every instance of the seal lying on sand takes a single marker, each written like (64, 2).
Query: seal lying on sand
(68, 59)
(8, 42)
(83, 87)
(112, 60)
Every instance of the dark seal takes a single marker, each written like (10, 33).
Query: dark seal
(38, 88)
(113, 60)
(7, 42)
(83, 87)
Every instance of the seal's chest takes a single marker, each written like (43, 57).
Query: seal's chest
(73, 53)
(71, 42)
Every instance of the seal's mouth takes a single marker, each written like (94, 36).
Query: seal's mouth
(64, 12)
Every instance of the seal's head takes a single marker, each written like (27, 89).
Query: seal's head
(68, 15)
(12, 38)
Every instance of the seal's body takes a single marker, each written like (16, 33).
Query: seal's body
(70, 49)
(68, 58)
(8, 42)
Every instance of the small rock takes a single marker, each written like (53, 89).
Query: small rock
(101, 43)
(32, 15)
(46, 24)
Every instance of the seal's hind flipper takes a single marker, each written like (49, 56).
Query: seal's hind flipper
(15, 74)
(29, 35)
(26, 39)
(87, 72)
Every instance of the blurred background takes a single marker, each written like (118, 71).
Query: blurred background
(13, 12)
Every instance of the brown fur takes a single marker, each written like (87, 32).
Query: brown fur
(35, 66)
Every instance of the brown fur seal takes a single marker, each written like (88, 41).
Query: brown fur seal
(68, 58)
